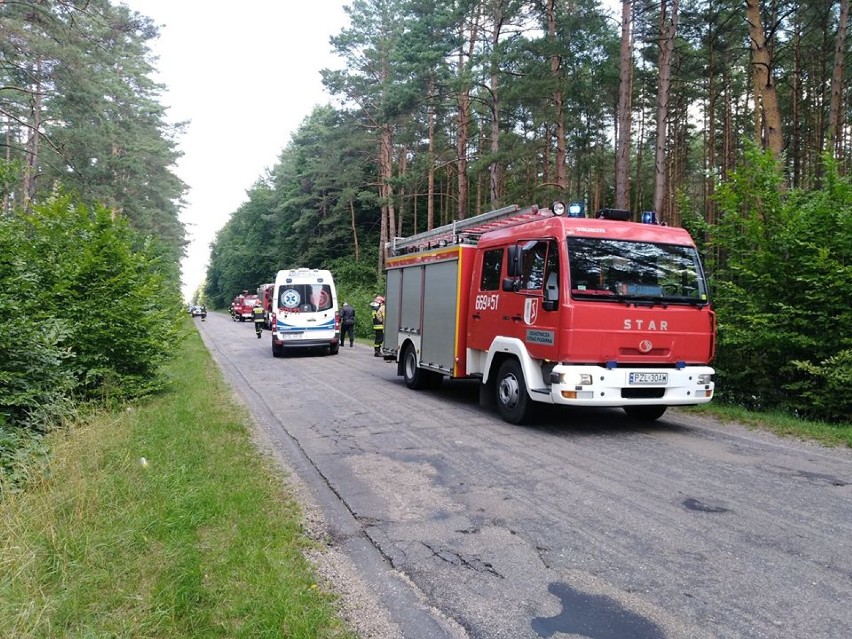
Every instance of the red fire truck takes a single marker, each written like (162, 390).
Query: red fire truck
(241, 307)
(542, 307)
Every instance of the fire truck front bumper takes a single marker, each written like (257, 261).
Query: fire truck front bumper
(620, 386)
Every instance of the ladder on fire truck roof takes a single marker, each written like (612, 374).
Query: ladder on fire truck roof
(464, 231)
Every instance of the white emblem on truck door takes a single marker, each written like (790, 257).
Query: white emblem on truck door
(530, 310)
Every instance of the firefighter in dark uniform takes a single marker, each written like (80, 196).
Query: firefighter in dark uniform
(378, 307)
(259, 318)
(347, 324)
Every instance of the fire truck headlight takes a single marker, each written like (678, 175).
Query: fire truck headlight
(558, 208)
(571, 379)
(706, 378)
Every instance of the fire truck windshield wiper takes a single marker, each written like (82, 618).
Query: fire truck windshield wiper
(643, 300)
(688, 301)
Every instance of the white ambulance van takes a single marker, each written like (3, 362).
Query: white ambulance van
(304, 311)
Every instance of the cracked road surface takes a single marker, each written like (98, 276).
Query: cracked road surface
(587, 524)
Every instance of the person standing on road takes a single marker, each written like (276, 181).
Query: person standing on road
(259, 317)
(378, 307)
(347, 324)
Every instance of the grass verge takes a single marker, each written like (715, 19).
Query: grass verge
(780, 423)
(161, 521)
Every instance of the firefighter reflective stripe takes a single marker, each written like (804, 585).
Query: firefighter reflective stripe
(378, 320)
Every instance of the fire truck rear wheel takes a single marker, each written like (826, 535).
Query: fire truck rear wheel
(513, 402)
(645, 413)
(415, 378)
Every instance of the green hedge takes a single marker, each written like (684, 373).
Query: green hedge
(782, 274)
(89, 312)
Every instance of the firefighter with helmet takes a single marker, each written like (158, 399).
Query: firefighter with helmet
(378, 308)
(258, 316)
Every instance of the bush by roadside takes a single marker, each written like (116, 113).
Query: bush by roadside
(90, 312)
(781, 269)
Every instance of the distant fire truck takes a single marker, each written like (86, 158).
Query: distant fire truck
(542, 307)
(241, 307)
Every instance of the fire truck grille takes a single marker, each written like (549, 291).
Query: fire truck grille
(642, 393)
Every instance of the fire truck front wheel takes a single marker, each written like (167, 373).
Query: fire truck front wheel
(513, 401)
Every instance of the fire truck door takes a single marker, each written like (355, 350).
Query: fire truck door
(534, 309)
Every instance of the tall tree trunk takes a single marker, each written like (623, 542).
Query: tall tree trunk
(7, 193)
(383, 239)
(465, 58)
(494, 169)
(560, 176)
(727, 125)
(33, 139)
(710, 140)
(767, 98)
(834, 135)
(795, 107)
(402, 169)
(622, 153)
(639, 192)
(668, 29)
(354, 230)
(461, 151)
(388, 224)
(430, 188)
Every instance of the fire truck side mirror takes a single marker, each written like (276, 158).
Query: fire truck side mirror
(513, 268)
(511, 284)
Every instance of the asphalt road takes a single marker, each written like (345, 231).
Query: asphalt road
(587, 524)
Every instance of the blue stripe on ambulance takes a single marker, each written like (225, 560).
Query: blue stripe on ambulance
(292, 328)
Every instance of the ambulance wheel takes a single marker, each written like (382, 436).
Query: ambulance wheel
(645, 413)
(333, 350)
(415, 378)
(513, 402)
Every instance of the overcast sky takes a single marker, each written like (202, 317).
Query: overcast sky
(245, 75)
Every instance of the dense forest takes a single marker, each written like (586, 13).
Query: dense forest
(449, 109)
(80, 112)
(729, 118)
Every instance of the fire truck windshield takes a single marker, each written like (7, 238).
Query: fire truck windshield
(618, 270)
